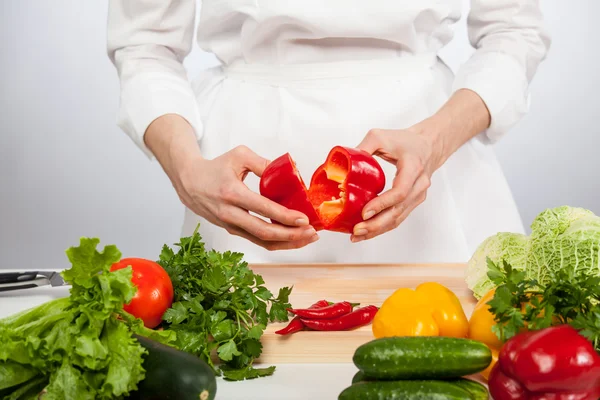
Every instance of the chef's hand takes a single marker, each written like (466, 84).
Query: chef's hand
(417, 152)
(214, 189)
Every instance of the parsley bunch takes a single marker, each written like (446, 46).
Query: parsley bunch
(220, 307)
(569, 297)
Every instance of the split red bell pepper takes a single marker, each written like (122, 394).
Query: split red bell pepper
(339, 188)
(281, 182)
(552, 363)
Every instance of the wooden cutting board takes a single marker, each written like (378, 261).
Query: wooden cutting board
(361, 283)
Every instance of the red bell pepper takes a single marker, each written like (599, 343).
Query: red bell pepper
(339, 188)
(281, 182)
(552, 363)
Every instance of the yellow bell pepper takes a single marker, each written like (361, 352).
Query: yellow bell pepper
(480, 328)
(429, 310)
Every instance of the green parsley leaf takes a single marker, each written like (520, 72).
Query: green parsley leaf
(255, 332)
(176, 314)
(227, 350)
(569, 297)
(259, 280)
(223, 330)
(495, 274)
(263, 293)
(252, 347)
(278, 312)
(247, 373)
(284, 295)
(218, 298)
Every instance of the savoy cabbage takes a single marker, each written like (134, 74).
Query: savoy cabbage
(561, 237)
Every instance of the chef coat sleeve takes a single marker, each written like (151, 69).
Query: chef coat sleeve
(147, 41)
(510, 42)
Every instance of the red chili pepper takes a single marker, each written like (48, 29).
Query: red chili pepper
(296, 324)
(332, 311)
(339, 188)
(357, 318)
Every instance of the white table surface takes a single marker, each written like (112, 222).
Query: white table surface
(289, 381)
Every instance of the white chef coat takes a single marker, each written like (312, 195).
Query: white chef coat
(303, 76)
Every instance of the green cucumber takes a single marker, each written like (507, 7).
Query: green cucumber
(421, 357)
(173, 374)
(359, 377)
(477, 390)
(407, 390)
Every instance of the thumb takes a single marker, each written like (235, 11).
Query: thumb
(370, 143)
(253, 162)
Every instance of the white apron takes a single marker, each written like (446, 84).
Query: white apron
(308, 106)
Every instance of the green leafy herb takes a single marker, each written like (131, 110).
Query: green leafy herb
(220, 307)
(248, 372)
(568, 297)
(75, 347)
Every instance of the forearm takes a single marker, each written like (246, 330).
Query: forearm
(461, 118)
(172, 141)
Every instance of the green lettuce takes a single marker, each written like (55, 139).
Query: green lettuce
(75, 347)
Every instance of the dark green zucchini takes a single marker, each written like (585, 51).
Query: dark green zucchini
(174, 374)
(421, 357)
(405, 390)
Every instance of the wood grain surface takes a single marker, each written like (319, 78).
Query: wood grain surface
(361, 283)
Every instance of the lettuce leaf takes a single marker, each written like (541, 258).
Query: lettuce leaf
(75, 347)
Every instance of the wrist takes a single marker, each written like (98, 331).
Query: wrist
(172, 141)
(461, 118)
(433, 131)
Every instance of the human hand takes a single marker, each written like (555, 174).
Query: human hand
(417, 153)
(214, 189)
(416, 158)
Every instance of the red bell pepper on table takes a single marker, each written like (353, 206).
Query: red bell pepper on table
(553, 363)
(339, 188)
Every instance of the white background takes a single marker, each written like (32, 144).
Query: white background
(66, 169)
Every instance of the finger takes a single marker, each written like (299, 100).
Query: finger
(409, 170)
(391, 217)
(371, 143)
(263, 230)
(392, 224)
(251, 161)
(254, 202)
(272, 246)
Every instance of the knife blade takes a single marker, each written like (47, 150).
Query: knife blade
(29, 279)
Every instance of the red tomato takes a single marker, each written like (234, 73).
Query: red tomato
(155, 290)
